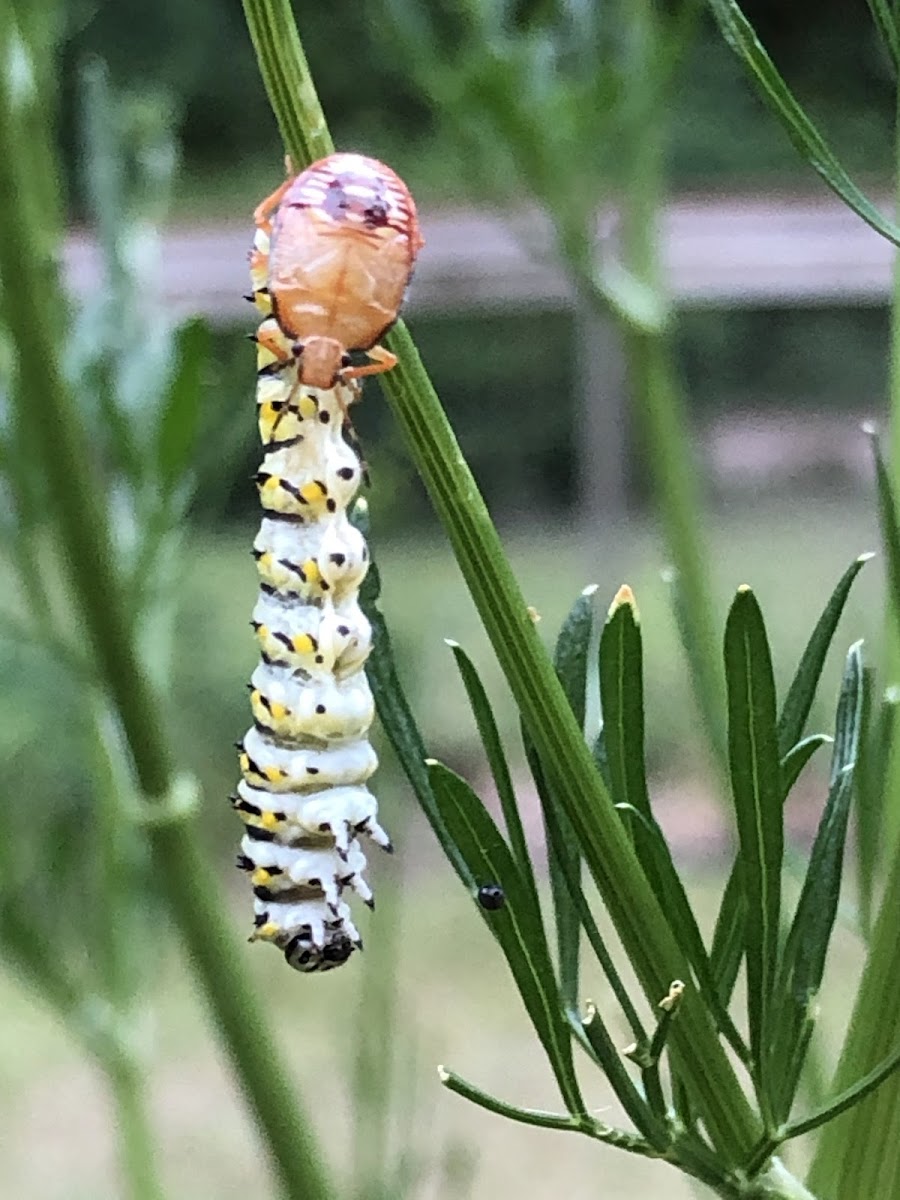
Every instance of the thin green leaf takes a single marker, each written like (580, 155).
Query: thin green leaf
(740, 36)
(728, 938)
(607, 1054)
(756, 790)
(571, 654)
(622, 698)
(564, 863)
(526, 1116)
(650, 1075)
(656, 860)
(871, 772)
(516, 925)
(885, 17)
(396, 716)
(571, 659)
(622, 702)
(846, 1099)
(180, 416)
(890, 527)
(530, 1116)
(803, 960)
(552, 812)
(797, 757)
(799, 699)
(727, 947)
(493, 748)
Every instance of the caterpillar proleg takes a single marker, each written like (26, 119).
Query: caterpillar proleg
(331, 258)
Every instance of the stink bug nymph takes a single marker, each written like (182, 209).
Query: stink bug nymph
(344, 237)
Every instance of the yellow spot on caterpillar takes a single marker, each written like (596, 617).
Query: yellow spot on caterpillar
(268, 820)
(272, 484)
(260, 876)
(303, 644)
(262, 632)
(278, 711)
(265, 356)
(312, 491)
(270, 930)
(311, 571)
(271, 774)
(264, 562)
(267, 418)
(308, 406)
(244, 763)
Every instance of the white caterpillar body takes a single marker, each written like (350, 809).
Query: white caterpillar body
(306, 760)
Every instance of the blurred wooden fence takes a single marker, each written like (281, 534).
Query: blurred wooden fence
(718, 252)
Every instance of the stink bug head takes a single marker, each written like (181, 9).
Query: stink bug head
(320, 359)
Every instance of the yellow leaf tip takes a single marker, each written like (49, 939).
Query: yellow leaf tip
(624, 596)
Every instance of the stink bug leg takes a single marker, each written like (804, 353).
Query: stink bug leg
(262, 214)
(382, 360)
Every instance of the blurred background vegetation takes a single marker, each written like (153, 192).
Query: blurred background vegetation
(186, 81)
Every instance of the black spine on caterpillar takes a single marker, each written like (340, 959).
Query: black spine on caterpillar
(305, 763)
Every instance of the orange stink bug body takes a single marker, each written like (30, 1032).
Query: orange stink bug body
(343, 240)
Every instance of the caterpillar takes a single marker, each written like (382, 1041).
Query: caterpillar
(331, 259)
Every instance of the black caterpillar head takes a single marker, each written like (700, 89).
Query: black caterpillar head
(301, 954)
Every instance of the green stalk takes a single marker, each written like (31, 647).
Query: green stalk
(858, 1154)
(892, 615)
(32, 307)
(137, 1147)
(845, 1164)
(642, 926)
(654, 387)
(120, 984)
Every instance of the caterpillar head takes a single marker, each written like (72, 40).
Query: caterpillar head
(302, 954)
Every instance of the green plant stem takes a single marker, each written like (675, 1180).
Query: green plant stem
(116, 959)
(892, 615)
(777, 1181)
(32, 307)
(845, 1163)
(653, 385)
(642, 926)
(136, 1143)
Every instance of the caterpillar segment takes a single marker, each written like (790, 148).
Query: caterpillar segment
(332, 255)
